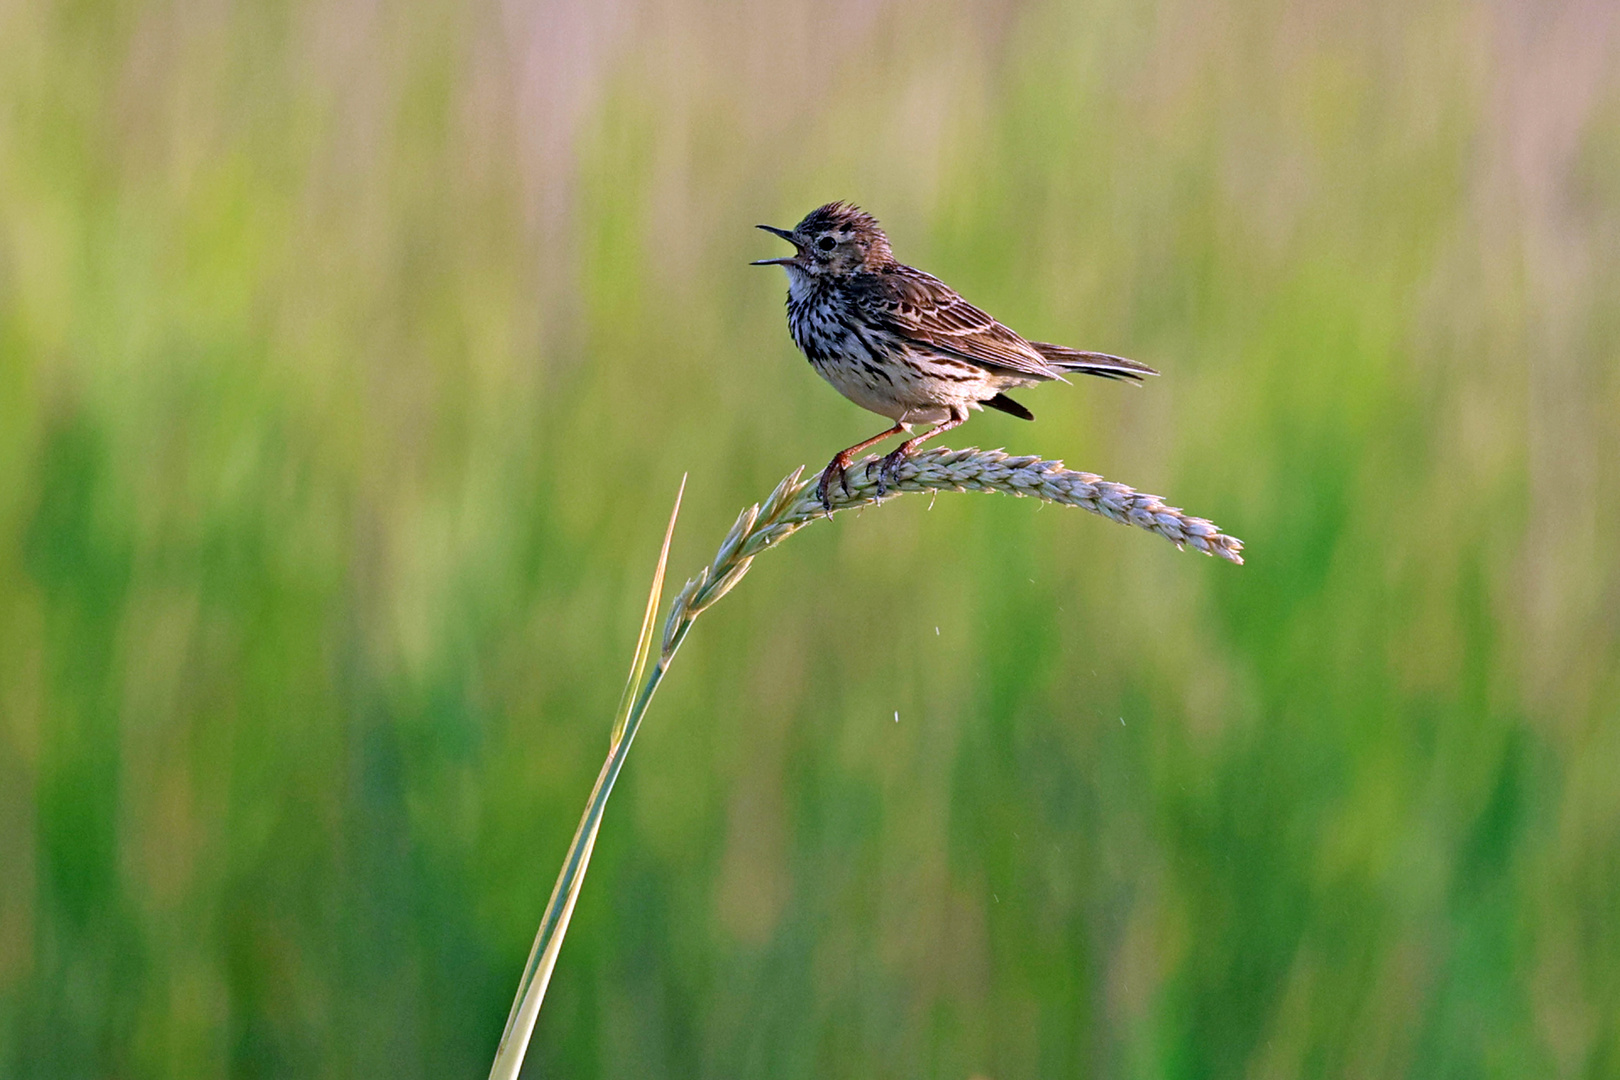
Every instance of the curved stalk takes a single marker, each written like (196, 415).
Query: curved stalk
(789, 508)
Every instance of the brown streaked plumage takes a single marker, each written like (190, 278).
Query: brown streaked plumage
(902, 343)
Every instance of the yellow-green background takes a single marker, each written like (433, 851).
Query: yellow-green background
(350, 356)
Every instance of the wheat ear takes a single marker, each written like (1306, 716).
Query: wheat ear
(789, 508)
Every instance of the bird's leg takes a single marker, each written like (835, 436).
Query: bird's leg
(840, 463)
(886, 471)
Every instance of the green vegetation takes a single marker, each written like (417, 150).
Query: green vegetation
(349, 358)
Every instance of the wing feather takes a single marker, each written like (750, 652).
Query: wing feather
(929, 314)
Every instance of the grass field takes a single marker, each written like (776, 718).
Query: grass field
(350, 357)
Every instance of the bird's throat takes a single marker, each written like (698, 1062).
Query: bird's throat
(801, 285)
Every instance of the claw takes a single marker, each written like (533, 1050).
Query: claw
(889, 472)
(867, 472)
(835, 467)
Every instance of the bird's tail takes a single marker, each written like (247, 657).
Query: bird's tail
(1092, 363)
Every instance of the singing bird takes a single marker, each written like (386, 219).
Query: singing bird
(902, 343)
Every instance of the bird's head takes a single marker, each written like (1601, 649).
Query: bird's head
(834, 239)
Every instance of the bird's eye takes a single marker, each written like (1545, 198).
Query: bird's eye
(826, 243)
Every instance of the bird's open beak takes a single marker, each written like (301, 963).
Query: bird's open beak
(787, 260)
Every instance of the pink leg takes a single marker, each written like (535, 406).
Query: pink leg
(886, 471)
(836, 467)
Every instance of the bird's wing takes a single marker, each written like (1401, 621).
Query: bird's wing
(927, 313)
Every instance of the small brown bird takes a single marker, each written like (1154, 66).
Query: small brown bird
(901, 343)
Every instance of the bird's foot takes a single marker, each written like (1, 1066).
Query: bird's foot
(888, 469)
(837, 471)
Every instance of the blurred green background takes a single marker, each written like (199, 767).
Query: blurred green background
(350, 356)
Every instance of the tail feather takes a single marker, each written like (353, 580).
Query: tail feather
(1092, 363)
(1008, 405)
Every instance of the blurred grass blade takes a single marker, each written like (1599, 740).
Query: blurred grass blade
(560, 908)
(644, 641)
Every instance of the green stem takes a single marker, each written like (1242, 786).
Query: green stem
(543, 956)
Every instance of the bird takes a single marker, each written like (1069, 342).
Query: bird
(901, 343)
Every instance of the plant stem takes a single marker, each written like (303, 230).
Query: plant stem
(789, 508)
